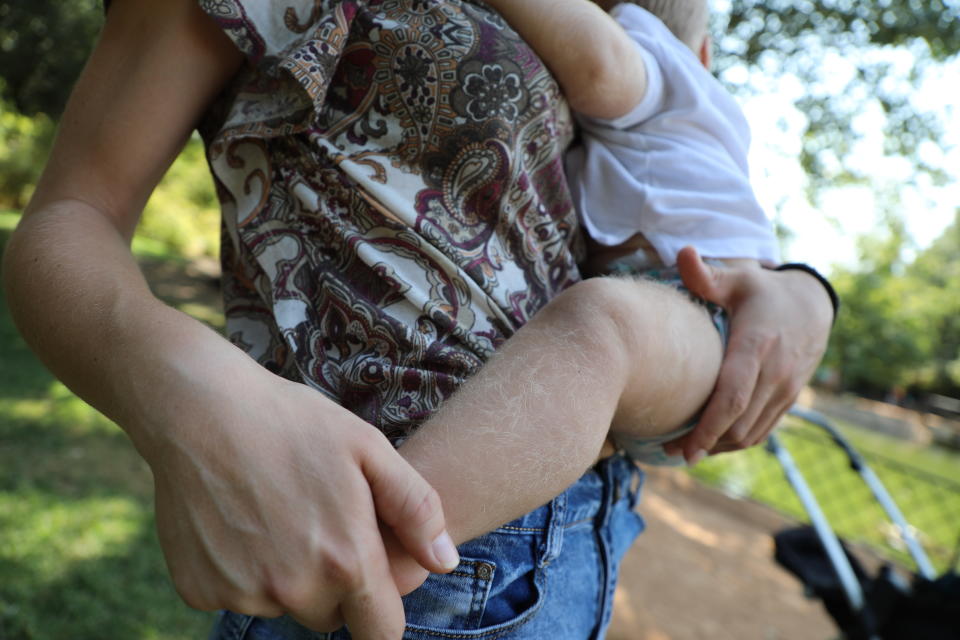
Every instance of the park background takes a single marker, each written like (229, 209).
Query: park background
(856, 157)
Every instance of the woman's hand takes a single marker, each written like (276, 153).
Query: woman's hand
(780, 322)
(268, 503)
(269, 495)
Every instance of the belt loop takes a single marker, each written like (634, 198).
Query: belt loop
(555, 525)
(637, 477)
(610, 490)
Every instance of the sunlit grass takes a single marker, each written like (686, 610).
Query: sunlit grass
(79, 556)
(58, 408)
(85, 567)
(52, 535)
(8, 220)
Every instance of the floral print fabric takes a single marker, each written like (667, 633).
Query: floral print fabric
(393, 195)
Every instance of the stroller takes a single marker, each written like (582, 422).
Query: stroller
(882, 607)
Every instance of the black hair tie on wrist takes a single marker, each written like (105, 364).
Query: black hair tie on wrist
(800, 266)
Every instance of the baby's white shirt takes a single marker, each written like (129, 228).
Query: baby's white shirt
(675, 167)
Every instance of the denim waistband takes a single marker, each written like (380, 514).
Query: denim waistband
(584, 499)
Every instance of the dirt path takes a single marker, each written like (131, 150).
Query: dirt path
(704, 569)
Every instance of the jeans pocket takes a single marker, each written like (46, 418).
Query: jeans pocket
(454, 600)
(499, 586)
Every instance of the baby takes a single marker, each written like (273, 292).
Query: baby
(663, 159)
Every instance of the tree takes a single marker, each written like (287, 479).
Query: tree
(878, 341)
(936, 277)
(899, 324)
(43, 46)
(806, 37)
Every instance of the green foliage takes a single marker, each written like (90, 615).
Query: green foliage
(936, 272)
(24, 145)
(43, 46)
(817, 40)
(899, 323)
(183, 214)
(181, 217)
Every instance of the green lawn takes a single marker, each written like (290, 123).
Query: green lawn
(79, 556)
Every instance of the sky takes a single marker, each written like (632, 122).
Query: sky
(827, 236)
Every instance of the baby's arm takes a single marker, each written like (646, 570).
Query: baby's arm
(595, 62)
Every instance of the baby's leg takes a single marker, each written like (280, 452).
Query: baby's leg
(679, 350)
(631, 353)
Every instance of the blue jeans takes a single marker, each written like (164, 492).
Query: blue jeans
(550, 574)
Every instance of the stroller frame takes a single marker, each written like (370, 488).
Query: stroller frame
(852, 587)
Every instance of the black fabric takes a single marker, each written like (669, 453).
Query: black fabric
(801, 552)
(894, 610)
(930, 612)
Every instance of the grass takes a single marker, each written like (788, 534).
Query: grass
(79, 557)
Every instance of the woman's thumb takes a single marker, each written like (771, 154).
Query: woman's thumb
(411, 507)
(703, 280)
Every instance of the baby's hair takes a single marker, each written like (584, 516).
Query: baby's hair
(686, 19)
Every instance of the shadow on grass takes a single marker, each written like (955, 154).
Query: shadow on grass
(21, 375)
(79, 557)
(122, 591)
(37, 455)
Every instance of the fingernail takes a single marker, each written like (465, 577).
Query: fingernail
(698, 455)
(445, 552)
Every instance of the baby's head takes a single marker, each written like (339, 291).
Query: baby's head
(686, 19)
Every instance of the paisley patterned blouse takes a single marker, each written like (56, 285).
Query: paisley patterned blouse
(394, 204)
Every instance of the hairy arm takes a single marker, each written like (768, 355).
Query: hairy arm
(609, 354)
(594, 61)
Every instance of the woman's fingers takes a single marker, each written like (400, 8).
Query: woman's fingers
(779, 327)
(373, 609)
(408, 574)
(757, 422)
(733, 396)
(409, 505)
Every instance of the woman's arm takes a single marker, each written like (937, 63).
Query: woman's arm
(74, 287)
(595, 62)
(259, 508)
